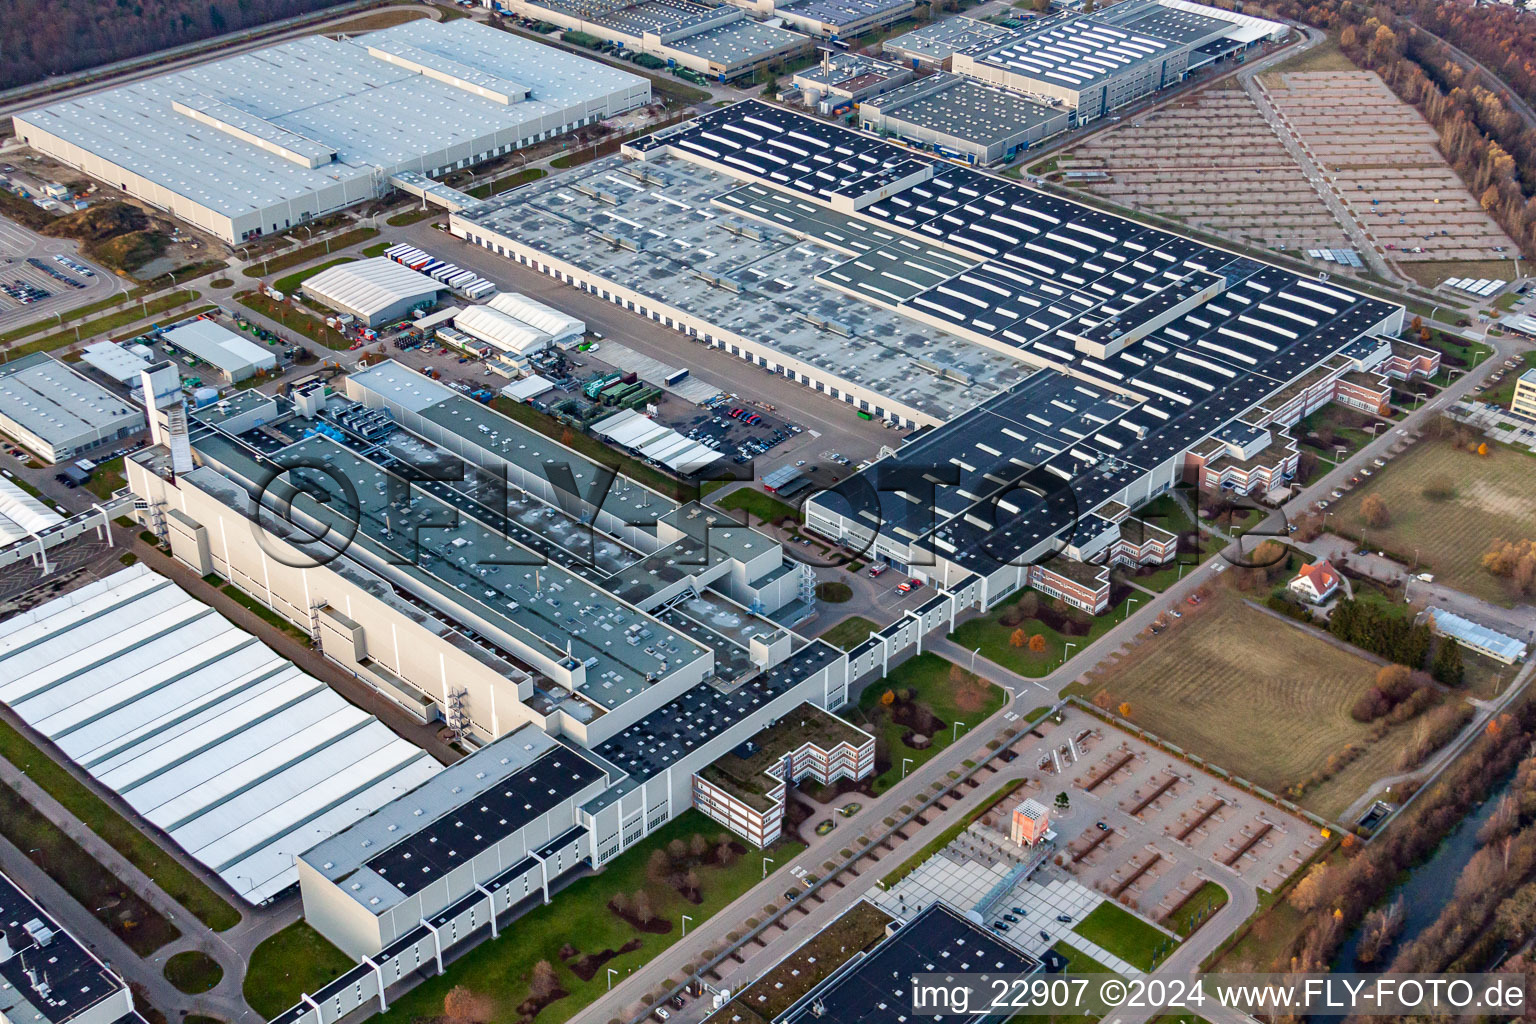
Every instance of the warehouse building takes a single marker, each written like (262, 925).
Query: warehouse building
(240, 758)
(376, 291)
(1190, 363)
(960, 119)
(832, 19)
(235, 358)
(337, 119)
(934, 45)
(1099, 62)
(56, 413)
(718, 41)
(47, 976)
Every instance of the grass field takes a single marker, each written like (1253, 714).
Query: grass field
(1325, 56)
(1197, 909)
(290, 283)
(1431, 272)
(928, 677)
(1258, 696)
(193, 971)
(1492, 499)
(1133, 940)
(288, 964)
(995, 640)
(581, 919)
(304, 254)
(105, 896)
(294, 320)
(849, 633)
(763, 506)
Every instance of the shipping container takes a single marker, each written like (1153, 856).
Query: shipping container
(675, 376)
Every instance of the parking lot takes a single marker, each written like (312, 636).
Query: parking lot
(1380, 158)
(34, 285)
(1162, 162)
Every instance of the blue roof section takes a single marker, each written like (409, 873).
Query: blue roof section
(1478, 636)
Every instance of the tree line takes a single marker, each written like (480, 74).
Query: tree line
(40, 38)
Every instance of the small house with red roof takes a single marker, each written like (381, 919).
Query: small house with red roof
(1316, 582)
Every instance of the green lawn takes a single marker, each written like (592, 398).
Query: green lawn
(106, 478)
(376, 249)
(928, 676)
(294, 257)
(101, 893)
(849, 633)
(1197, 909)
(580, 917)
(411, 216)
(294, 320)
(289, 284)
(1122, 933)
(1080, 962)
(486, 189)
(288, 964)
(103, 325)
(193, 971)
(142, 852)
(755, 502)
(995, 640)
(264, 613)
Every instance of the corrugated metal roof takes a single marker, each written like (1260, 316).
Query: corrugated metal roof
(241, 758)
(368, 287)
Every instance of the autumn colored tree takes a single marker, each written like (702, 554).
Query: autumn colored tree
(461, 1006)
(1017, 638)
(1037, 643)
(1125, 709)
(888, 698)
(1482, 449)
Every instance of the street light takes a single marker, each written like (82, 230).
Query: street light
(904, 762)
(954, 733)
(1128, 602)
(686, 919)
(973, 659)
(766, 862)
(611, 973)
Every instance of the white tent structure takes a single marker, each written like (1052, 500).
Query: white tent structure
(563, 329)
(641, 434)
(505, 333)
(376, 290)
(22, 515)
(241, 758)
(230, 353)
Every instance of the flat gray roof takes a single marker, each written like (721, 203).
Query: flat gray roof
(1076, 54)
(680, 232)
(737, 42)
(315, 95)
(54, 402)
(942, 38)
(966, 109)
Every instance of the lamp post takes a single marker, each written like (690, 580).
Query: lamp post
(1128, 602)
(611, 973)
(766, 862)
(904, 762)
(973, 658)
(686, 919)
(954, 733)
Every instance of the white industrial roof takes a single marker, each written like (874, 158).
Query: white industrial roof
(629, 429)
(505, 332)
(241, 758)
(114, 360)
(1249, 29)
(22, 515)
(221, 347)
(535, 314)
(315, 95)
(368, 287)
(531, 386)
(55, 402)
